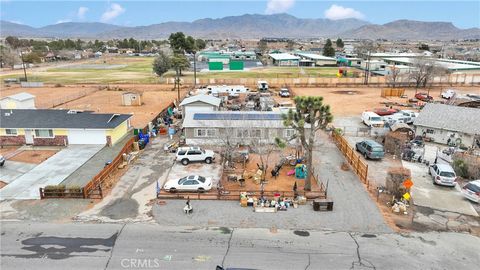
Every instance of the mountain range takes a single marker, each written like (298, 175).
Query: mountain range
(249, 26)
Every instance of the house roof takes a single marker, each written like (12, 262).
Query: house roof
(45, 118)
(240, 119)
(283, 56)
(21, 96)
(201, 98)
(447, 117)
(315, 56)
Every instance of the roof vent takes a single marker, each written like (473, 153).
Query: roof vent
(113, 116)
(74, 111)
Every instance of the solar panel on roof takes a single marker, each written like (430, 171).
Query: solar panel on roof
(236, 116)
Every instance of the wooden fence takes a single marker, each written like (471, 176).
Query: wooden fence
(67, 193)
(99, 180)
(352, 157)
(392, 92)
(233, 195)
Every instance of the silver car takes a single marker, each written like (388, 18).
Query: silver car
(443, 174)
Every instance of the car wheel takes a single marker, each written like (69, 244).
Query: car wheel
(365, 155)
(172, 190)
(208, 160)
(433, 181)
(185, 161)
(201, 190)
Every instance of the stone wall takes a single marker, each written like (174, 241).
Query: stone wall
(12, 140)
(57, 141)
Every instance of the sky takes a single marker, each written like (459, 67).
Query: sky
(463, 14)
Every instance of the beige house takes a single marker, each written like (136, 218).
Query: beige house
(240, 127)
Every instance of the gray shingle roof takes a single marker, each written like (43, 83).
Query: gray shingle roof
(23, 118)
(447, 117)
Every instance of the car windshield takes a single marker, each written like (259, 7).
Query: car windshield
(182, 180)
(376, 119)
(447, 174)
(473, 187)
(201, 179)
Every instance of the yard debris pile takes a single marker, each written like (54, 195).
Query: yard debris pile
(395, 178)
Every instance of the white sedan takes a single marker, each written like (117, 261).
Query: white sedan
(189, 183)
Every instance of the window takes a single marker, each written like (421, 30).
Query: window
(205, 132)
(252, 133)
(430, 131)
(289, 133)
(43, 133)
(11, 132)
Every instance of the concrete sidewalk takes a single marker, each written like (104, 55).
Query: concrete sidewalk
(425, 193)
(93, 166)
(14, 169)
(51, 172)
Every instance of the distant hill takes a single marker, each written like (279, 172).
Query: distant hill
(414, 30)
(250, 26)
(73, 29)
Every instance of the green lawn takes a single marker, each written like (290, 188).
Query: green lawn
(139, 70)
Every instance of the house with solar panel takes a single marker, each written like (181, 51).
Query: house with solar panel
(208, 128)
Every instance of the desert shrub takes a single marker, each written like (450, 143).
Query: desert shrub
(461, 168)
(55, 190)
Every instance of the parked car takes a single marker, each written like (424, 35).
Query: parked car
(2, 161)
(284, 92)
(372, 119)
(471, 191)
(370, 149)
(396, 118)
(423, 97)
(384, 111)
(443, 174)
(188, 154)
(189, 183)
(411, 114)
(448, 94)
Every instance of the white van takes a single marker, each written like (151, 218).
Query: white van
(372, 119)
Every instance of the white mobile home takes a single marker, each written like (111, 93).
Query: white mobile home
(449, 124)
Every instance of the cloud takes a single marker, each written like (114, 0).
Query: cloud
(278, 6)
(336, 12)
(112, 12)
(14, 21)
(81, 12)
(63, 21)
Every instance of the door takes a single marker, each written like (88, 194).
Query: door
(28, 136)
(81, 136)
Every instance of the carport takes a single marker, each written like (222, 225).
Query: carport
(51, 172)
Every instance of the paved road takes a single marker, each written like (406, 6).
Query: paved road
(141, 246)
(50, 172)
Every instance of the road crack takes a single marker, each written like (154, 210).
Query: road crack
(228, 247)
(113, 246)
(308, 265)
(360, 261)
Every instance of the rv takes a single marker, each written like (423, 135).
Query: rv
(220, 90)
(262, 86)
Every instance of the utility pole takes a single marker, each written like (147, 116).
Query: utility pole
(367, 69)
(24, 67)
(194, 69)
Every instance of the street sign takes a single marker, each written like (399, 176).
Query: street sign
(408, 183)
(406, 196)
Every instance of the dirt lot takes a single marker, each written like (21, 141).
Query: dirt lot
(89, 97)
(283, 182)
(33, 156)
(353, 101)
(6, 151)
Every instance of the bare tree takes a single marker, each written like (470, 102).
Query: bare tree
(393, 76)
(424, 71)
